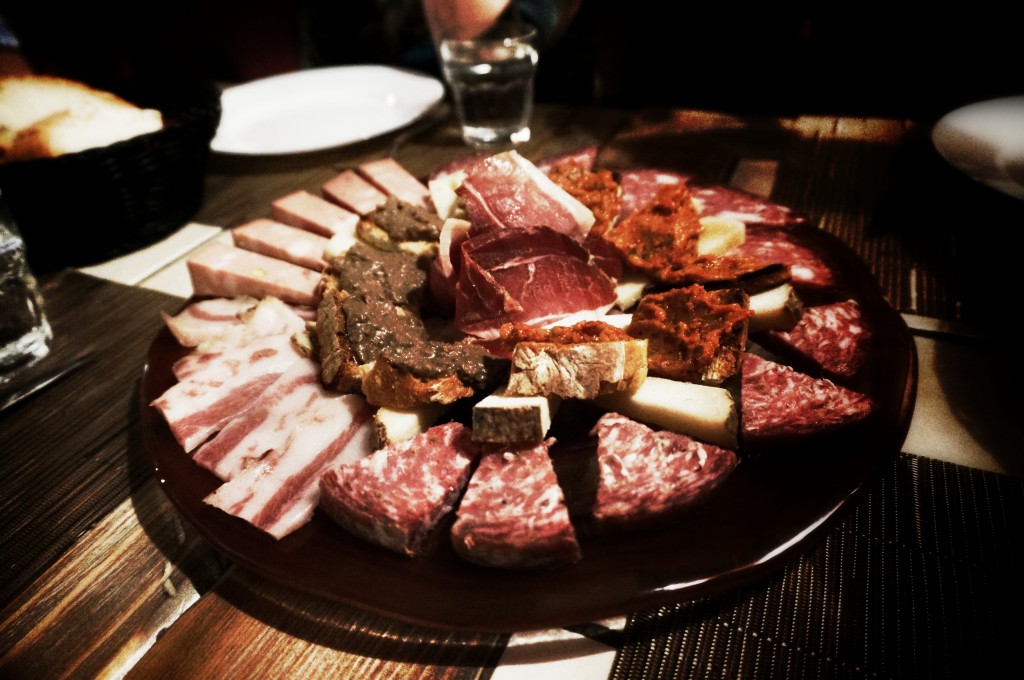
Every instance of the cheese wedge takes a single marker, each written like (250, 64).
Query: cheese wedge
(775, 309)
(719, 235)
(391, 425)
(702, 412)
(501, 418)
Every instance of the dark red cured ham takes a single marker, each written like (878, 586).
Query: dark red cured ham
(585, 158)
(644, 474)
(829, 339)
(534, 276)
(265, 425)
(208, 398)
(279, 493)
(507, 191)
(513, 513)
(397, 496)
(640, 186)
(728, 203)
(808, 271)
(779, 402)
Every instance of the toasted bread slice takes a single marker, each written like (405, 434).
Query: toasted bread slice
(578, 370)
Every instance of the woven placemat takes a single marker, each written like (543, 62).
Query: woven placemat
(922, 580)
(68, 452)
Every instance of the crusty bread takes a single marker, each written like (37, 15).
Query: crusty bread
(43, 117)
(578, 370)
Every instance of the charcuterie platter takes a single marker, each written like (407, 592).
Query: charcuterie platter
(773, 503)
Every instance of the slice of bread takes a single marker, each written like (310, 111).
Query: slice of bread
(44, 117)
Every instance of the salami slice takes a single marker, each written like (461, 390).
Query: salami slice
(829, 339)
(514, 513)
(639, 187)
(777, 401)
(808, 271)
(739, 205)
(398, 495)
(644, 474)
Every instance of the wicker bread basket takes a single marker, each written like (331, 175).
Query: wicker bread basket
(86, 207)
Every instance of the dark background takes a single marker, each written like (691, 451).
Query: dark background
(880, 61)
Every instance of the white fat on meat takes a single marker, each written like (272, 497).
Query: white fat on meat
(268, 317)
(205, 319)
(279, 494)
(226, 271)
(208, 398)
(266, 425)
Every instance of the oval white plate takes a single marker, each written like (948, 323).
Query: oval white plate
(321, 108)
(986, 141)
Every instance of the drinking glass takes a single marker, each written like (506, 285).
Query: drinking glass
(24, 331)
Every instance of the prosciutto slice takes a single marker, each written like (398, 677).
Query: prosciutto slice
(207, 399)
(507, 191)
(534, 276)
(278, 494)
(266, 425)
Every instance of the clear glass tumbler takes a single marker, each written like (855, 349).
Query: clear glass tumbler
(24, 331)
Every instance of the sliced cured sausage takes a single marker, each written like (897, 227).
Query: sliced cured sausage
(513, 513)
(830, 340)
(644, 474)
(398, 495)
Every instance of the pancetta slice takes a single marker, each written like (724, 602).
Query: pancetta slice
(205, 319)
(279, 493)
(266, 425)
(207, 399)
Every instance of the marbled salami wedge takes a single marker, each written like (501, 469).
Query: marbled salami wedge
(808, 271)
(829, 339)
(645, 474)
(398, 495)
(739, 205)
(513, 513)
(640, 186)
(779, 402)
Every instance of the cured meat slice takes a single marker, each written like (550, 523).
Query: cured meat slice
(444, 270)
(225, 271)
(398, 495)
(513, 513)
(274, 239)
(264, 426)
(829, 339)
(206, 319)
(535, 276)
(391, 178)
(352, 192)
(778, 402)
(269, 317)
(584, 158)
(739, 205)
(641, 186)
(307, 211)
(278, 494)
(644, 474)
(207, 399)
(808, 271)
(508, 191)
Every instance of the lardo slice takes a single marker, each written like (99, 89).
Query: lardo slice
(700, 411)
(398, 495)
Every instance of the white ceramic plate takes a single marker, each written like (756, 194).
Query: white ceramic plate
(986, 141)
(321, 108)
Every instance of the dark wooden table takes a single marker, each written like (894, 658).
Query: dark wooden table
(102, 578)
